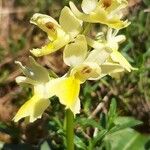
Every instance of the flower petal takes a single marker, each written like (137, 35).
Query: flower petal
(76, 52)
(117, 5)
(47, 24)
(95, 44)
(33, 109)
(120, 38)
(67, 90)
(24, 80)
(75, 108)
(76, 12)
(100, 15)
(39, 108)
(58, 38)
(98, 56)
(61, 40)
(73, 26)
(109, 68)
(89, 5)
(35, 71)
(118, 57)
(113, 40)
(116, 75)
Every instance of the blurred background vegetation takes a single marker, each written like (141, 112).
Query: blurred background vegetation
(18, 36)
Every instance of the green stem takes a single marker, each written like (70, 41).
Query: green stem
(70, 129)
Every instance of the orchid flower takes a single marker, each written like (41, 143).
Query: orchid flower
(112, 42)
(84, 66)
(106, 12)
(44, 87)
(38, 77)
(58, 34)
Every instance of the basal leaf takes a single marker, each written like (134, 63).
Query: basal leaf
(124, 122)
(79, 143)
(127, 139)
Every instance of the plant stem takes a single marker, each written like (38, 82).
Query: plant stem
(70, 129)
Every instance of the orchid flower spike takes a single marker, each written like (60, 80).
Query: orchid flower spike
(58, 34)
(108, 12)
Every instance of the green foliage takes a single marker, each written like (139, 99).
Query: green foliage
(85, 122)
(79, 143)
(9, 129)
(114, 132)
(126, 139)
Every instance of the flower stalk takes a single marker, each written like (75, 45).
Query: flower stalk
(70, 129)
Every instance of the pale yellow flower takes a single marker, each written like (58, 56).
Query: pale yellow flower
(106, 12)
(81, 61)
(65, 88)
(112, 42)
(32, 109)
(84, 66)
(59, 34)
(37, 77)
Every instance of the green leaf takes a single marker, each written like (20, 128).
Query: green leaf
(103, 120)
(79, 143)
(113, 106)
(147, 2)
(124, 122)
(9, 129)
(98, 137)
(88, 122)
(112, 112)
(106, 145)
(127, 139)
(127, 120)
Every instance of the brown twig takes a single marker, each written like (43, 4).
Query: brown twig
(100, 106)
(79, 129)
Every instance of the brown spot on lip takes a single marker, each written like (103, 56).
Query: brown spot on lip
(86, 70)
(50, 25)
(106, 3)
